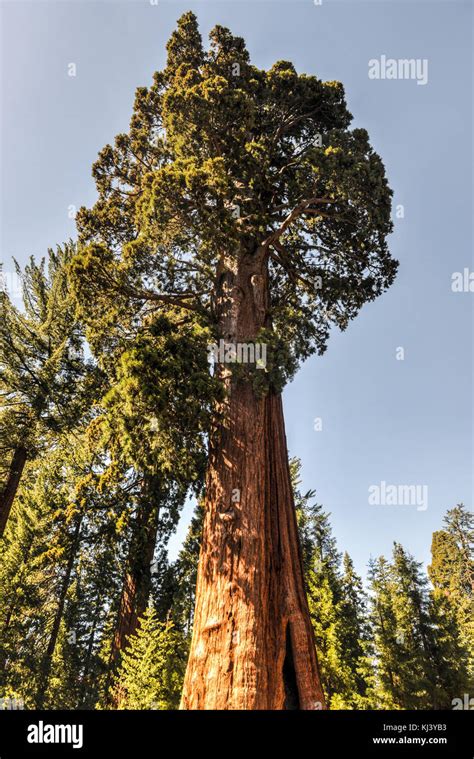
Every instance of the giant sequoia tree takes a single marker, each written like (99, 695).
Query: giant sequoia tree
(241, 202)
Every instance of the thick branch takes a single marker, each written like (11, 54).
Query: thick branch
(294, 214)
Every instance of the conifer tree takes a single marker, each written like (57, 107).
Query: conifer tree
(355, 635)
(152, 668)
(19, 595)
(416, 671)
(240, 201)
(58, 574)
(152, 429)
(384, 635)
(418, 659)
(34, 593)
(452, 575)
(45, 382)
(336, 603)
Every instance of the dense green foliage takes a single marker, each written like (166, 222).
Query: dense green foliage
(45, 380)
(152, 669)
(222, 159)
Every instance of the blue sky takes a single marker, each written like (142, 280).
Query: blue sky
(402, 422)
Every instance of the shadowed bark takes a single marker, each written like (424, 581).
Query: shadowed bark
(10, 490)
(136, 587)
(137, 580)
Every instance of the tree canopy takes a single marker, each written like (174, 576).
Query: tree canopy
(222, 157)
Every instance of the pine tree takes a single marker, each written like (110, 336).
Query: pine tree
(58, 576)
(18, 592)
(152, 668)
(355, 636)
(418, 660)
(336, 603)
(452, 575)
(45, 382)
(239, 201)
(384, 635)
(450, 658)
(416, 673)
(34, 593)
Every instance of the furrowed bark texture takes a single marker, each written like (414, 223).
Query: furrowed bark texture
(9, 492)
(253, 645)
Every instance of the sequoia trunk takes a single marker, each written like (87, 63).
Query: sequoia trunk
(253, 645)
(9, 492)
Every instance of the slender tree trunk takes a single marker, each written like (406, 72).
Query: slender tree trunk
(10, 490)
(253, 644)
(136, 587)
(3, 653)
(90, 645)
(137, 580)
(8, 619)
(48, 657)
(389, 669)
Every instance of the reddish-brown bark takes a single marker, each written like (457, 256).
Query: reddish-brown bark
(10, 490)
(135, 588)
(253, 645)
(136, 583)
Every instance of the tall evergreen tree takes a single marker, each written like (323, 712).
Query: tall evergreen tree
(415, 676)
(355, 636)
(384, 635)
(336, 603)
(240, 200)
(152, 429)
(58, 576)
(419, 662)
(33, 595)
(452, 574)
(44, 379)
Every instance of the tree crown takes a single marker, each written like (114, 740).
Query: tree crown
(221, 160)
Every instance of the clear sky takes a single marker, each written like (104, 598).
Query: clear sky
(404, 422)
